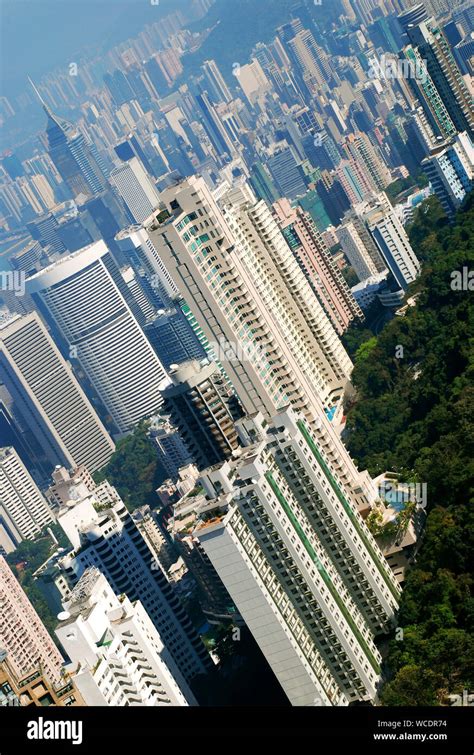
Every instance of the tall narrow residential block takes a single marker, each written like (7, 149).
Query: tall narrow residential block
(245, 308)
(23, 509)
(316, 262)
(299, 563)
(22, 633)
(115, 651)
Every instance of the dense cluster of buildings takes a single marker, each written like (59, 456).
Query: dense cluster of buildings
(182, 254)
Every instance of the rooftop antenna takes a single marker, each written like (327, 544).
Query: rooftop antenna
(35, 89)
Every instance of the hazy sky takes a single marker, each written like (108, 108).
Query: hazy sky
(37, 35)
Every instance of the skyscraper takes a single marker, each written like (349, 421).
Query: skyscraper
(170, 447)
(253, 224)
(387, 232)
(431, 43)
(412, 16)
(204, 410)
(136, 189)
(157, 77)
(253, 82)
(171, 335)
(311, 59)
(28, 258)
(130, 148)
(464, 55)
(321, 150)
(317, 264)
(22, 633)
(137, 249)
(353, 179)
(75, 158)
(103, 534)
(360, 148)
(219, 90)
(23, 510)
(450, 169)
(262, 184)
(57, 421)
(333, 196)
(86, 299)
(427, 94)
(214, 127)
(45, 230)
(243, 306)
(103, 216)
(287, 173)
(362, 254)
(299, 563)
(119, 87)
(262, 312)
(117, 656)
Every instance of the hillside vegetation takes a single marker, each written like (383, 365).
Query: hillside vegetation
(414, 415)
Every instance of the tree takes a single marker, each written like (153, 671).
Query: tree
(134, 469)
(413, 415)
(414, 686)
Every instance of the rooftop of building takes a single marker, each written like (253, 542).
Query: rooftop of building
(98, 246)
(5, 452)
(84, 587)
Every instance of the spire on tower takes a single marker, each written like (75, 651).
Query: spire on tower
(57, 120)
(36, 91)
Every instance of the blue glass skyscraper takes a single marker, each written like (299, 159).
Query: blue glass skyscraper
(75, 158)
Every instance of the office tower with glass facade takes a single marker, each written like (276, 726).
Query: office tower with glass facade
(86, 299)
(51, 411)
(75, 157)
(136, 189)
(219, 90)
(287, 173)
(45, 229)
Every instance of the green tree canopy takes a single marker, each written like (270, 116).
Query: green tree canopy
(413, 414)
(134, 469)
